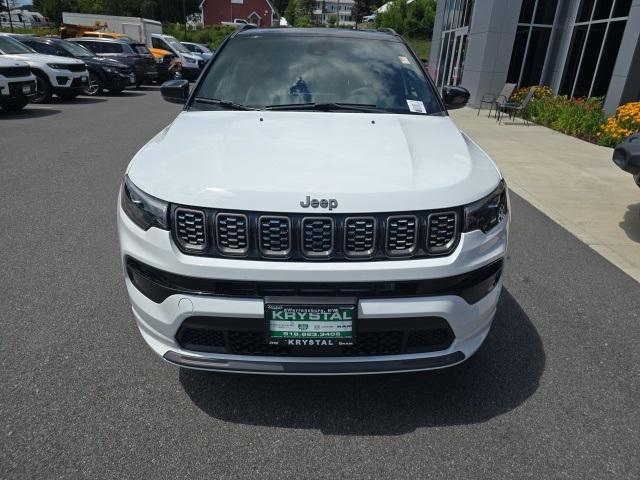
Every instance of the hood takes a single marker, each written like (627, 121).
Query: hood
(103, 62)
(40, 58)
(271, 161)
(10, 62)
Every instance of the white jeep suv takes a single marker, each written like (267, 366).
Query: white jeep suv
(17, 84)
(327, 216)
(63, 76)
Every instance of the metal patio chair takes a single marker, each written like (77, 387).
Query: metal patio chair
(512, 108)
(494, 100)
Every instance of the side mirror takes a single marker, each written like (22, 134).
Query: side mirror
(627, 154)
(175, 91)
(455, 97)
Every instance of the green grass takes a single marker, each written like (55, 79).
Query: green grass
(422, 47)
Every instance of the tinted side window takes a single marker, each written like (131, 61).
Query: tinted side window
(112, 47)
(93, 46)
(44, 48)
(159, 43)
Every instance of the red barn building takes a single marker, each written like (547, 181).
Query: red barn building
(260, 12)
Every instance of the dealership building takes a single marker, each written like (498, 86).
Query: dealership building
(580, 48)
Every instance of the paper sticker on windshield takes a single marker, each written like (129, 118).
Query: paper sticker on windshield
(404, 60)
(416, 106)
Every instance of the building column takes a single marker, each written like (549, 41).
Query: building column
(436, 37)
(625, 81)
(491, 37)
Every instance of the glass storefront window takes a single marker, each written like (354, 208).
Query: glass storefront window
(530, 47)
(588, 68)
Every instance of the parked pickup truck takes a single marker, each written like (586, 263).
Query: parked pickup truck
(627, 156)
(17, 84)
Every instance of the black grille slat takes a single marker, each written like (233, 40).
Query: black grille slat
(359, 236)
(253, 342)
(76, 67)
(441, 231)
(275, 235)
(232, 233)
(191, 228)
(317, 236)
(13, 72)
(402, 232)
(334, 237)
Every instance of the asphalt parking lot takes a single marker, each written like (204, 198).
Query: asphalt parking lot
(553, 393)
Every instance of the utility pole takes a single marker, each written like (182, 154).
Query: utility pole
(184, 17)
(9, 12)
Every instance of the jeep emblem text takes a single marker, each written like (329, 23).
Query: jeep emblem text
(323, 203)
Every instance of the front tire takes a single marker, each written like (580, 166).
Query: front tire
(43, 89)
(95, 86)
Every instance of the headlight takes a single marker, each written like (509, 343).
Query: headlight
(488, 212)
(144, 210)
(58, 66)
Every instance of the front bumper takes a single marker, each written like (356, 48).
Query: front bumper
(16, 89)
(159, 321)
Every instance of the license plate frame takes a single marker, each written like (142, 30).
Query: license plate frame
(321, 330)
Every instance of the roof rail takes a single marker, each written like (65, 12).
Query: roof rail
(390, 31)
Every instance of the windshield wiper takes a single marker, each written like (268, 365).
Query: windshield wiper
(328, 107)
(224, 103)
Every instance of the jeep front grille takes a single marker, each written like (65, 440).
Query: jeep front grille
(275, 236)
(15, 71)
(317, 236)
(232, 233)
(334, 237)
(190, 229)
(401, 235)
(359, 236)
(441, 231)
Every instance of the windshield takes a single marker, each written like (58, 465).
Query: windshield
(141, 49)
(303, 69)
(77, 50)
(176, 45)
(10, 46)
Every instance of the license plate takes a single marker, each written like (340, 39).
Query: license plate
(26, 89)
(310, 325)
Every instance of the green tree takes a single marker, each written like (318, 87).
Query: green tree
(332, 20)
(360, 9)
(414, 20)
(291, 12)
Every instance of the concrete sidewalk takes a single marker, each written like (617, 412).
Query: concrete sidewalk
(573, 182)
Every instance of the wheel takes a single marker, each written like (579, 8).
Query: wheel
(43, 89)
(95, 86)
(67, 95)
(15, 105)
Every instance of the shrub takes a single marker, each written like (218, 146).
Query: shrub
(625, 122)
(577, 117)
(209, 35)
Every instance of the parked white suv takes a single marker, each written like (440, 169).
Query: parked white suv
(63, 76)
(328, 217)
(17, 84)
